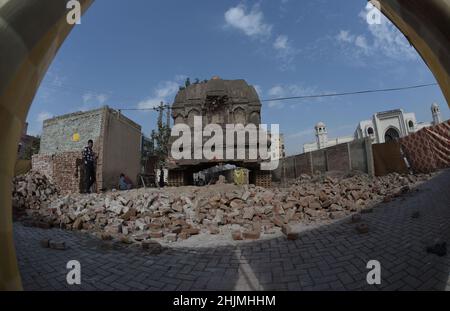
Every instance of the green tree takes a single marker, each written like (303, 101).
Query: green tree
(32, 148)
(161, 136)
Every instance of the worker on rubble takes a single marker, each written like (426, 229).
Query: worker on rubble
(89, 159)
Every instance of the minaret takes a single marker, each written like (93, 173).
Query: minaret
(436, 111)
(321, 135)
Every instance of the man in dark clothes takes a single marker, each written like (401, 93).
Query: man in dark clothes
(161, 178)
(89, 166)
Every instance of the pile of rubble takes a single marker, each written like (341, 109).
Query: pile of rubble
(33, 191)
(246, 211)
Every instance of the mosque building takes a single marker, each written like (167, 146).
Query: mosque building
(383, 127)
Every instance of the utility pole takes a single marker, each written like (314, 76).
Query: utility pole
(162, 134)
(168, 117)
(283, 173)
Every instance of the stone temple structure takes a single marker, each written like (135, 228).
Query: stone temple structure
(219, 102)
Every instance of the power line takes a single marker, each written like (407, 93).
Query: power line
(312, 96)
(321, 95)
(351, 93)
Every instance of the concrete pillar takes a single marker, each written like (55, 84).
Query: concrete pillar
(426, 25)
(349, 150)
(369, 157)
(27, 47)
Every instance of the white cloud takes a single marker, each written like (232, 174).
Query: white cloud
(251, 23)
(284, 52)
(361, 42)
(42, 116)
(281, 42)
(383, 39)
(166, 89)
(276, 92)
(92, 98)
(180, 78)
(294, 142)
(345, 36)
(258, 89)
(292, 90)
(36, 126)
(162, 93)
(301, 134)
(390, 41)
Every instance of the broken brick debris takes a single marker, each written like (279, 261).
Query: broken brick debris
(137, 216)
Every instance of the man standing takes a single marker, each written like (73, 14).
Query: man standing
(161, 178)
(89, 166)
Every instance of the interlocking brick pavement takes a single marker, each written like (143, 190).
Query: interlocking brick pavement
(331, 257)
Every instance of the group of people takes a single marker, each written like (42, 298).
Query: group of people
(89, 162)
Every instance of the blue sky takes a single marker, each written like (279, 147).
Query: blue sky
(129, 56)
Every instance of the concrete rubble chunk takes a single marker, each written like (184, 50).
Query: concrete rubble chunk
(356, 218)
(337, 215)
(171, 237)
(288, 232)
(362, 228)
(251, 235)
(58, 245)
(156, 234)
(249, 212)
(245, 211)
(213, 229)
(246, 195)
(152, 246)
(45, 243)
(236, 235)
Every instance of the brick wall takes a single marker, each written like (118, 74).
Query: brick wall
(116, 139)
(64, 170)
(120, 149)
(302, 164)
(58, 132)
(338, 158)
(359, 155)
(319, 161)
(43, 164)
(355, 155)
(67, 172)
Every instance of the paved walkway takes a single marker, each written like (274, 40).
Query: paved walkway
(332, 257)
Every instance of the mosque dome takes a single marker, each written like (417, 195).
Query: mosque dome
(320, 125)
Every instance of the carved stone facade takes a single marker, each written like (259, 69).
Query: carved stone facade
(218, 101)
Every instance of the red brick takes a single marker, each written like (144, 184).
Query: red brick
(251, 235)
(236, 235)
(362, 228)
(156, 234)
